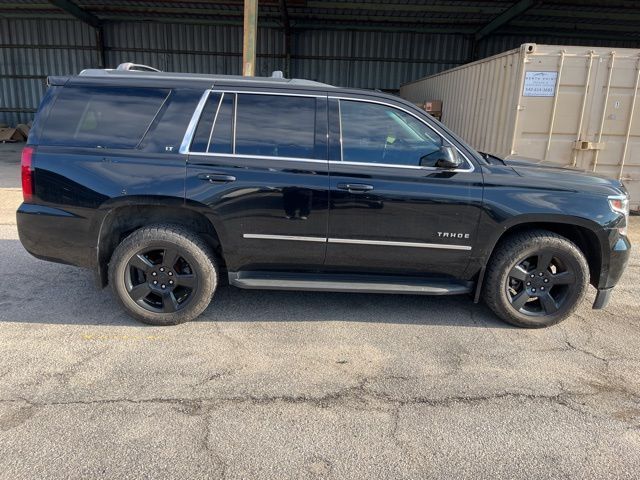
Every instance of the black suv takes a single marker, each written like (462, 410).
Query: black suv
(165, 184)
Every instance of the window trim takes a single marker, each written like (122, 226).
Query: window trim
(471, 165)
(185, 146)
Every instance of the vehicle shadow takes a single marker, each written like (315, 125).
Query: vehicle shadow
(39, 292)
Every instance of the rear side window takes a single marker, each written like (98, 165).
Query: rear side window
(275, 125)
(215, 128)
(113, 117)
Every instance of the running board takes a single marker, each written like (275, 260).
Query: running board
(325, 282)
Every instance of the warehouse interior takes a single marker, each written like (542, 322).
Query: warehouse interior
(364, 44)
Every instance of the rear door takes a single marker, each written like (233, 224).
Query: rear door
(392, 209)
(258, 162)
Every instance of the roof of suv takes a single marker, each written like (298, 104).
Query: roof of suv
(210, 80)
(161, 79)
(137, 74)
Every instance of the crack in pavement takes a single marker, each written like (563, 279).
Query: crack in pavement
(195, 406)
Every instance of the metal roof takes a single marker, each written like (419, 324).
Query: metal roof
(579, 18)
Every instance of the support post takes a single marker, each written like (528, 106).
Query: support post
(286, 26)
(102, 62)
(249, 38)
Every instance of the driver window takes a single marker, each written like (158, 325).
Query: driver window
(374, 133)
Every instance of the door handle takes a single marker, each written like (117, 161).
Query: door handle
(217, 177)
(355, 187)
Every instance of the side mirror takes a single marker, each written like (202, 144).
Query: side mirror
(448, 158)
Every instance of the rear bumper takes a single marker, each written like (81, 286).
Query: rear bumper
(55, 235)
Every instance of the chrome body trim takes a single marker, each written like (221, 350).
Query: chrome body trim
(399, 244)
(258, 157)
(351, 241)
(186, 142)
(235, 116)
(284, 237)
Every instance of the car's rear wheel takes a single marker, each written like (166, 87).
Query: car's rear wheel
(536, 279)
(163, 274)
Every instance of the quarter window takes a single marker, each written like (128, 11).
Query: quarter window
(114, 117)
(215, 128)
(374, 133)
(275, 125)
(203, 131)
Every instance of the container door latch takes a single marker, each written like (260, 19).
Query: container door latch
(586, 145)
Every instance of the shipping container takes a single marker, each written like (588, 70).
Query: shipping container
(571, 106)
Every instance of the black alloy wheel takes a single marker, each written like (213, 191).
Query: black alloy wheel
(161, 279)
(535, 278)
(538, 285)
(164, 274)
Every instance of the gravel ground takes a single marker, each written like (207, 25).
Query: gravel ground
(309, 385)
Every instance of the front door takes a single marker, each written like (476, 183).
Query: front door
(392, 209)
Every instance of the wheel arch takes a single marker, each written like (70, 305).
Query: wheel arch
(123, 218)
(588, 236)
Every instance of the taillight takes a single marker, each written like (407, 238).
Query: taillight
(26, 163)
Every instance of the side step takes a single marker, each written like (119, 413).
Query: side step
(326, 282)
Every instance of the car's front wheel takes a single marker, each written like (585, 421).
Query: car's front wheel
(536, 279)
(163, 274)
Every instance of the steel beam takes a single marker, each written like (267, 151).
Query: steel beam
(249, 38)
(74, 10)
(505, 17)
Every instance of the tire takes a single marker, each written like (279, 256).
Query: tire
(163, 274)
(536, 279)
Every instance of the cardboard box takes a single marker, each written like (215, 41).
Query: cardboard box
(11, 135)
(433, 106)
(23, 129)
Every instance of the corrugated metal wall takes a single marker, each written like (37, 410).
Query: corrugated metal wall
(31, 49)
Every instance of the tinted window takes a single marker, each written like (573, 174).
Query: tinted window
(222, 136)
(114, 117)
(376, 133)
(201, 135)
(168, 128)
(275, 125)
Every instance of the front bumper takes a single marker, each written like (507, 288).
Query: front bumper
(602, 298)
(613, 268)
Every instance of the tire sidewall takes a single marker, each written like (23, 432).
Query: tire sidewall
(198, 260)
(560, 247)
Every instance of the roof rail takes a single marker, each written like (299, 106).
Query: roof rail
(136, 66)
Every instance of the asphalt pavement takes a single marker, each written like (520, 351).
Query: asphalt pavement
(309, 385)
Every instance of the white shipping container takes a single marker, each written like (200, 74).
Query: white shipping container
(571, 106)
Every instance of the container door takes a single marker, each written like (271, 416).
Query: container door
(612, 144)
(553, 112)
